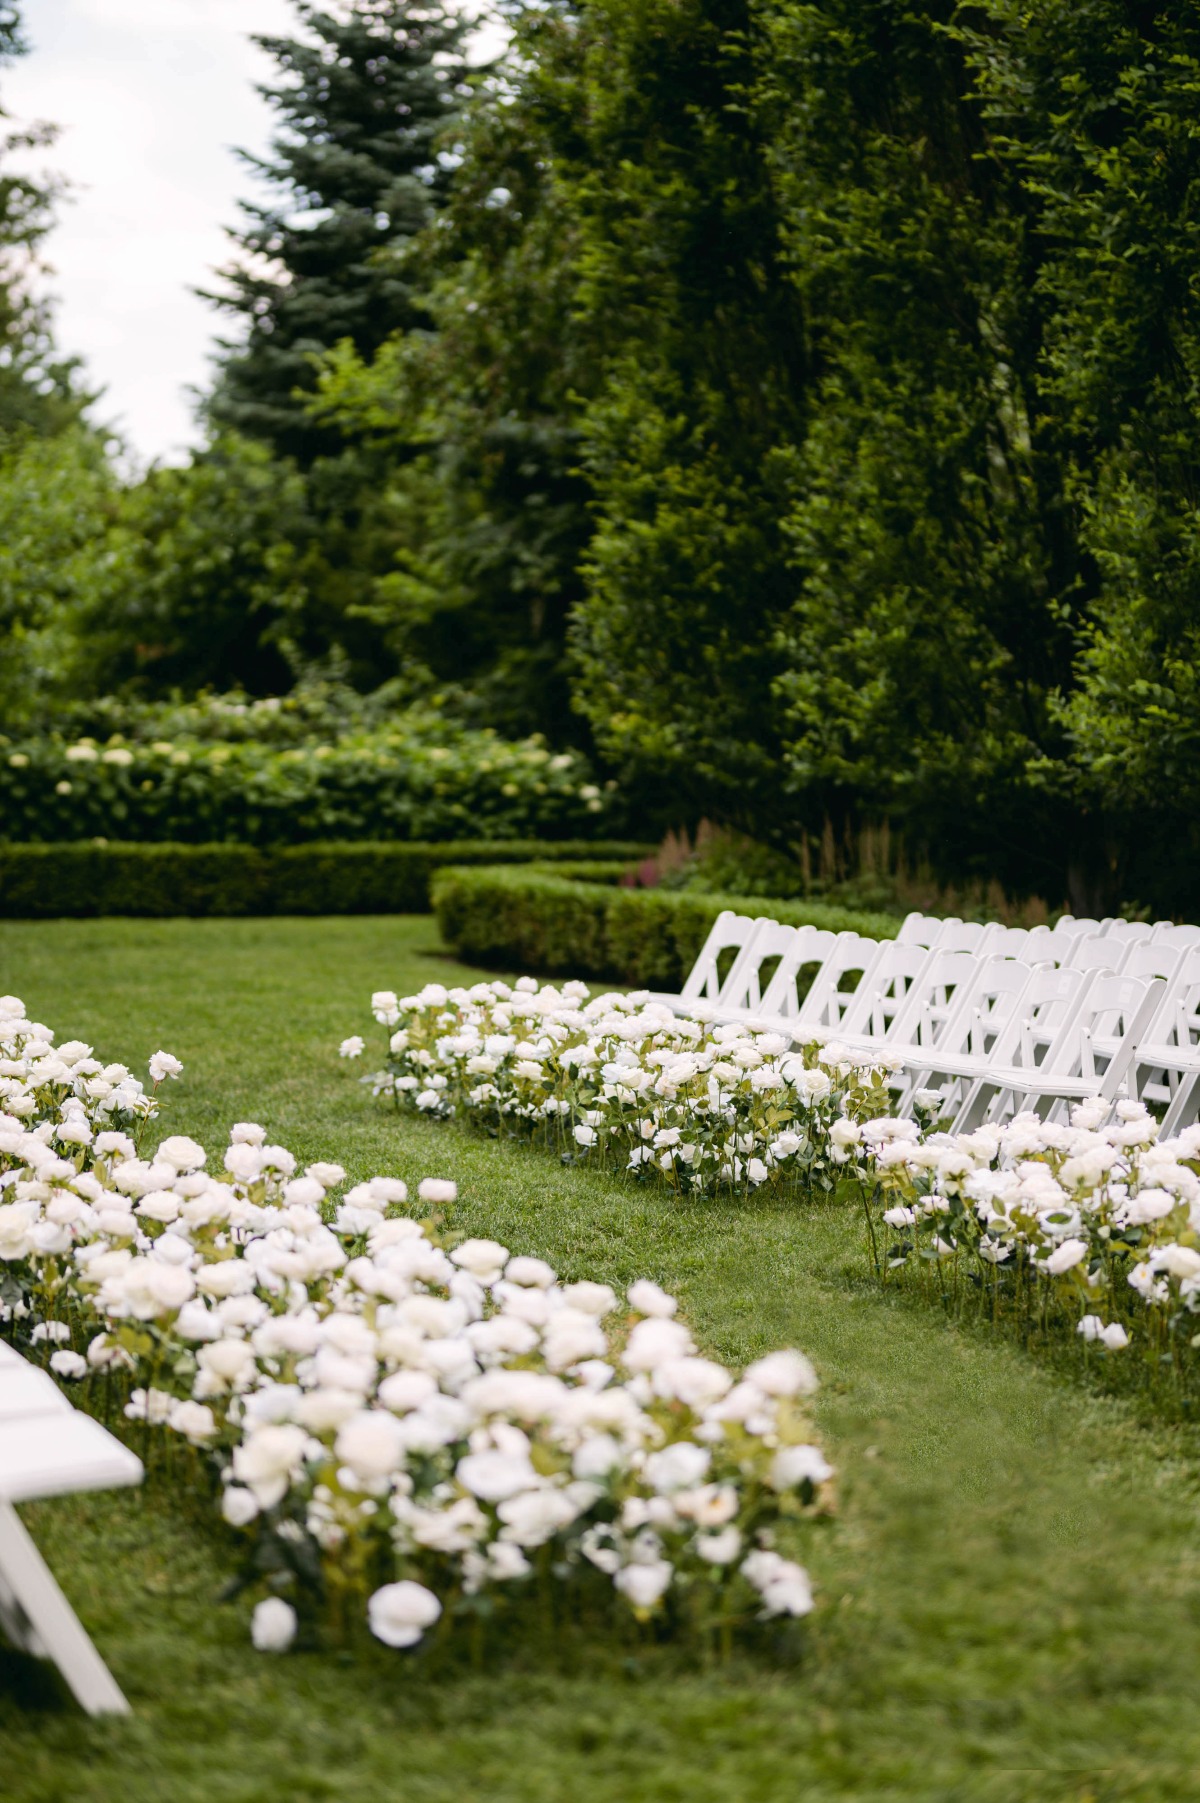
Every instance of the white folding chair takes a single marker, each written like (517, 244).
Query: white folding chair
(846, 969)
(1004, 942)
(799, 968)
(793, 950)
(742, 990)
(1046, 1003)
(1117, 928)
(729, 932)
(921, 929)
(881, 1000)
(1166, 932)
(1089, 1055)
(1166, 1063)
(1092, 951)
(48, 1448)
(953, 1054)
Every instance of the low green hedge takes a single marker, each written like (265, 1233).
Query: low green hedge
(542, 920)
(41, 882)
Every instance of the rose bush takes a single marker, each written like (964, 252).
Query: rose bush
(691, 1102)
(1091, 1228)
(394, 1415)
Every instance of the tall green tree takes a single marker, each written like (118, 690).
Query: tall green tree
(39, 389)
(357, 170)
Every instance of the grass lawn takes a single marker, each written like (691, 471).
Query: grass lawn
(1007, 1598)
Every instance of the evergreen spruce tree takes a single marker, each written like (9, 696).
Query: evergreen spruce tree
(38, 388)
(363, 100)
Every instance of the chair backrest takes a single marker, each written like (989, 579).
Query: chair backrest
(785, 992)
(1004, 942)
(1098, 1041)
(771, 942)
(1125, 930)
(1046, 1005)
(1166, 932)
(1151, 958)
(1048, 945)
(962, 936)
(918, 929)
(729, 932)
(936, 997)
(1093, 952)
(880, 999)
(845, 970)
(1075, 925)
(985, 1004)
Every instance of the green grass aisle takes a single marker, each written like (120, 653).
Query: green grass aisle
(1007, 1600)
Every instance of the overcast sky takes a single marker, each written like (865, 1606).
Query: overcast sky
(152, 97)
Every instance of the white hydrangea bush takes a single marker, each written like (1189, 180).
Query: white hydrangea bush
(393, 1415)
(622, 1080)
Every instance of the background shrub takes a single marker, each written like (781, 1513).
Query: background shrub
(39, 882)
(540, 919)
(413, 776)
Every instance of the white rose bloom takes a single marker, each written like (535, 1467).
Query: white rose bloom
(794, 1465)
(399, 1614)
(370, 1443)
(783, 1374)
(273, 1625)
(648, 1299)
(495, 1476)
(719, 1549)
(644, 1584)
(68, 1364)
(677, 1467)
(194, 1420)
(654, 1339)
(1066, 1256)
(238, 1506)
(183, 1153)
(484, 1259)
(266, 1459)
(693, 1381)
(441, 1189)
(534, 1516)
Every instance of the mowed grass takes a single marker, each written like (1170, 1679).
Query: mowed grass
(1008, 1597)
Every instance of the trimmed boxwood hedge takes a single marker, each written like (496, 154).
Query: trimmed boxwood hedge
(42, 882)
(540, 919)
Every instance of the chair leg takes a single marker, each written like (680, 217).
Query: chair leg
(1184, 1104)
(45, 1621)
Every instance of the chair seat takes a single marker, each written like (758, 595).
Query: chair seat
(24, 1390)
(1169, 1057)
(55, 1453)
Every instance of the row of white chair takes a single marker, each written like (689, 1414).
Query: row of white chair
(993, 1019)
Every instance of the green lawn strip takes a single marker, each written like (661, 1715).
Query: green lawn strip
(1007, 1599)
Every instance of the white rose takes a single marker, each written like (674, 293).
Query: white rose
(643, 1585)
(400, 1613)
(273, 1625)
(794, 1465)
(370, 1443)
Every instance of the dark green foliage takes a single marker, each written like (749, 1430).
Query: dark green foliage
(363, 99)
(39, 390)
(201, 580)
(541, 920)
(46, 882)
(409, 776)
